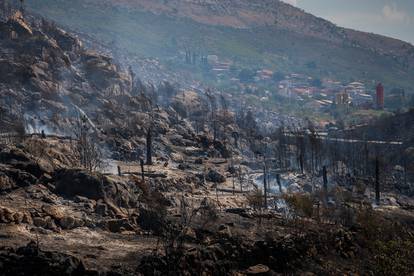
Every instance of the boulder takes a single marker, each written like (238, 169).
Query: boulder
(72, 183)
(50, 224)
(100, 70)
(12, 155)
(69, 222)
(6, 184)
(30, 260)
(222, 149)
(11, 178)
(6, 215)
(18, 217)
(184, 166)
(39, 222)
(27, 218)
(406, 203)
(257, 270)
(81, 185)
(54, 211)
(214, 176)
(20, 160)
(151, 220)
(101, 208)
(66, 41)
(81, 199)
(19, 24)
(119, 225)
(239, 211)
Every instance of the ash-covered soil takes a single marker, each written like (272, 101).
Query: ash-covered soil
(81, 223)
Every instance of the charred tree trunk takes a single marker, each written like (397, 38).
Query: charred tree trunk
(265, 186)
(141, 162)
(301, 163)
(236, 139)
(366, 157)
(279, 183)
(405, 172)
(22, 8)
(215, 132)
(217, 196)
(149, 146)
(234, 183)
(241, 180)
(325, 183)
(377, 182)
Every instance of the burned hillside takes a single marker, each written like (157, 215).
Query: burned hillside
(104, 174)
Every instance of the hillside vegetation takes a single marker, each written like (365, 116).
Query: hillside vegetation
(251, 33)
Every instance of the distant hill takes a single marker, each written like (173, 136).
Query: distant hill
(253, 33)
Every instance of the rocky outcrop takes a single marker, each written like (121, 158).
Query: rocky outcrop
(30, 260)
(46, 71)
(8, 215)
(103, 73)
(71, 183)
(11, 178)
(75, 183)
(23, 161)
(227, 254)
(151, 220)
(215, 176)
(18, 169)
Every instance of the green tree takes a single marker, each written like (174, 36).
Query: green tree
(278, 76)
(247, 75)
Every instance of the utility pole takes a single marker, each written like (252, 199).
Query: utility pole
(325, 183)
(265, 185)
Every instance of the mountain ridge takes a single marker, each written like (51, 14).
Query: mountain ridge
(246, 14)
(258, 33)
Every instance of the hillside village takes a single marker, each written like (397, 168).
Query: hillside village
(333, 98)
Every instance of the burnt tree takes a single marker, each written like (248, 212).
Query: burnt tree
(279, 183)
(377, 182)
(87, 148)
(213, 113)
(149, 145)
(265, 185)
(325, 184)
(141, 163)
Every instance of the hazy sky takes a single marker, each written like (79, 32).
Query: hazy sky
(393, 18)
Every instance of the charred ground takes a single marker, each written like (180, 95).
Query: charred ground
(76, 199)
